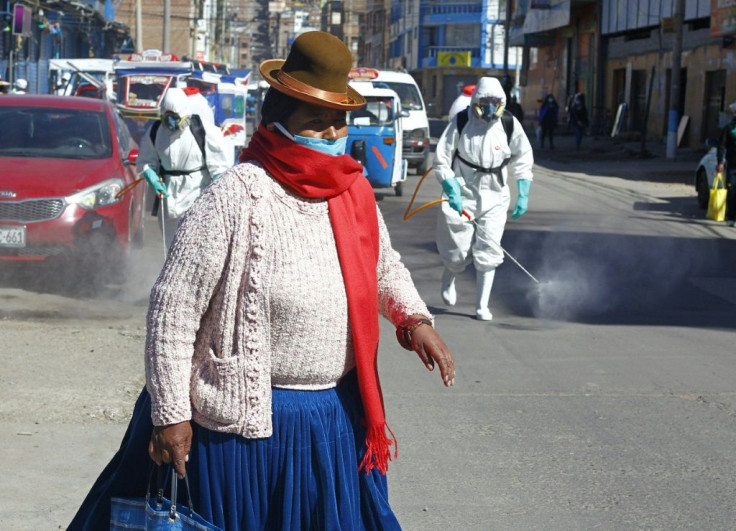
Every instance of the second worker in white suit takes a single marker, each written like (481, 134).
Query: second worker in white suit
(482, 150)
(179, 157)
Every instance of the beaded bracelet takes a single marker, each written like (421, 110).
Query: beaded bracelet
(405, 331)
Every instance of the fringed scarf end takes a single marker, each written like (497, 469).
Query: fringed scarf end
(377, 449)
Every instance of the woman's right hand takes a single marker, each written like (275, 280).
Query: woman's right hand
(171, 444)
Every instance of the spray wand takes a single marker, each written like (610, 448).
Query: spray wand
(409, 213)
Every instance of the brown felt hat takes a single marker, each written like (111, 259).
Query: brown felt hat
(315, 71)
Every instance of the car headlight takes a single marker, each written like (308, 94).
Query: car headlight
(419, 133)
(99, 195)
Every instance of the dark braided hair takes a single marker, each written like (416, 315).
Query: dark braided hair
(277, 107)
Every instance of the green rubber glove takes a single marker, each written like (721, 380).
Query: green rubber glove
(452, 189)
(522, 199)
(155, 181)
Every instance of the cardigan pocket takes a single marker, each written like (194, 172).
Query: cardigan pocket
(218, 389)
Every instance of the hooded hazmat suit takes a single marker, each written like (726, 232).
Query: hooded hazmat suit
(484, 194)
(177, 158)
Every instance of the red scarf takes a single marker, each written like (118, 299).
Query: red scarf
(352, 210)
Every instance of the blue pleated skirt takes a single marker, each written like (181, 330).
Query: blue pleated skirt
(305, 476)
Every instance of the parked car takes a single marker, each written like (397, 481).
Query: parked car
(63, 163)
(706, 172)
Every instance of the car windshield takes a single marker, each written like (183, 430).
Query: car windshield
(377, 111)
(408, 94)
(144, 91)
(55, 133)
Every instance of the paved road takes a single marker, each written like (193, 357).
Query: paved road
(603, 399)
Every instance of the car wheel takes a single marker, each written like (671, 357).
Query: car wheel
(399, 189)
(701, 187)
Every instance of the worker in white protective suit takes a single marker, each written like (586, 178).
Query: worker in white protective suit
(20, 86)
(179, 157)
(62, 83)
(475, 166)
(199, 104)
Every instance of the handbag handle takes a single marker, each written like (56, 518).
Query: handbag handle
(174, 490)
(718, 181)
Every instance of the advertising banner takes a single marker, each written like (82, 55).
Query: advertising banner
(22, 20)
(453, 58)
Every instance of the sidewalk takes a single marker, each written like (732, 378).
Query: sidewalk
(604, 155)
(624, 159)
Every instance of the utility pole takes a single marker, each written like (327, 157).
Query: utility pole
(506, 30)
(223, 11)
(673, 118)
(138, 26)
(166, 47)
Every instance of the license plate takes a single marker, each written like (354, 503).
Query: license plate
(12, 236)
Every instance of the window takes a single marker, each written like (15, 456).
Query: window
(48, 132)
(463, 35)
(378, 111)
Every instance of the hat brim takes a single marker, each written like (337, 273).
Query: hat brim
(269, 68)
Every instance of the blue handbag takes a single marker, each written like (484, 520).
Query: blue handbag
(157, 513)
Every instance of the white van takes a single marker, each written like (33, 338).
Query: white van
(416, 125)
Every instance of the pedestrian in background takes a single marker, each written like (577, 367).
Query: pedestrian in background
(512, 104)
(548, 116)
(62, 84)
(474, 164)
(261, 369)
(180, 159)
(726, 157)
(577, 116)
(516, 109)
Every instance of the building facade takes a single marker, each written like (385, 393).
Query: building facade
(620, 54)
(446, 45)
(55, 30)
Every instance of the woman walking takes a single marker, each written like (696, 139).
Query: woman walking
(261, 372)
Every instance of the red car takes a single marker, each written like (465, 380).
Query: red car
(64, 165)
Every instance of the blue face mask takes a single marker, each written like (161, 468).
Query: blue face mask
(328, 147)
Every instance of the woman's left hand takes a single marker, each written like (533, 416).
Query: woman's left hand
(432, 349)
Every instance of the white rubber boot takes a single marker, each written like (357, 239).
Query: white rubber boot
(449, 295)
(483, 285)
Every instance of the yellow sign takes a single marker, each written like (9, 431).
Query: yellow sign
(453, 58)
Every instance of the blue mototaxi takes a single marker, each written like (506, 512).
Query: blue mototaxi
(375, 137)
(140, 86)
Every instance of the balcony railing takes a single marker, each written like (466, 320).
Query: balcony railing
(452, 8)
(459, 13)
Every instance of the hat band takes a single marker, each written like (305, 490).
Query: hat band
(293, 83)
